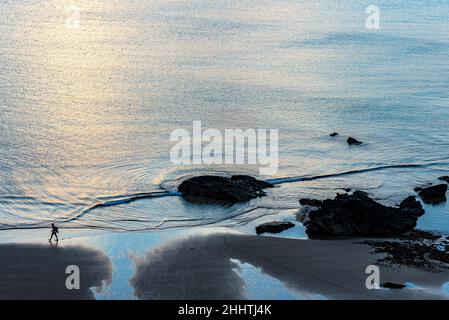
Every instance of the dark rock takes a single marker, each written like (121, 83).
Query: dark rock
(420, 254)
(334, 134)
(274, 227)
(417, 189)
(238, 188)
(412, 206)
(434, 194)
(310, 202)
(358, 215)
(444, 178)
(392, 285)
(346, 189)
(352, 141)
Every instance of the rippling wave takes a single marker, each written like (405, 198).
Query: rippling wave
(217, 215)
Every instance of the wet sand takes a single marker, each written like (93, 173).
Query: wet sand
(200, 267)
(33, 271)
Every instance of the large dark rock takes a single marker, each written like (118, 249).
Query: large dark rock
(274, 227)
(238, 188)
(358, 215)
(352, 141)
(412, 206)
(434, 194)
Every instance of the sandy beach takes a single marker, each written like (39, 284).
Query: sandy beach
(206, 265)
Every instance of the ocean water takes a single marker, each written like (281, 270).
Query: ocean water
(86, 113)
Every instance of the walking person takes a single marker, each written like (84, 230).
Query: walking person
(54, 232)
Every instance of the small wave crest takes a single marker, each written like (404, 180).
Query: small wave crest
(277, 181)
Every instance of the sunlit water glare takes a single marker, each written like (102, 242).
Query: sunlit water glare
(86, 113)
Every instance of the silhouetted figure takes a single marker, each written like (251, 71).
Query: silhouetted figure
(54, 232)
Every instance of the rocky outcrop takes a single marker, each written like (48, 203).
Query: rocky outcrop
(334, 134)
(274, 227)
(434, 194)
(412, 206)
(238, 188)
(352, 141)
(358, 215)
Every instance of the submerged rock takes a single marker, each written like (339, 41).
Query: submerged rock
(310, 202)
(238, 188)
(274, 227)
(434, 194)
(358, 215)
(352, 141)
(412, 206)
(334, 134)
